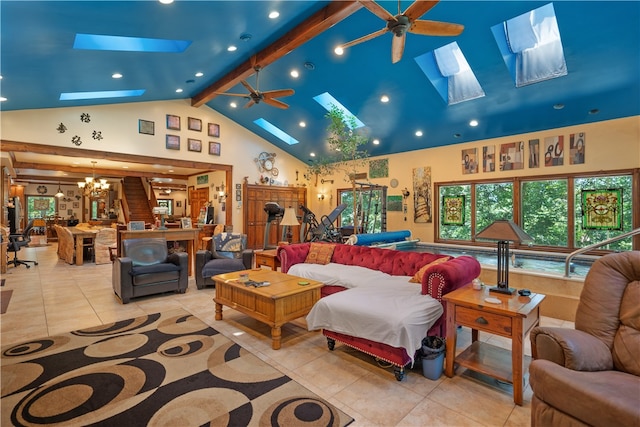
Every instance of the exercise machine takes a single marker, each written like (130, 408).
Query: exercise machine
(274, 213)
(322, 231)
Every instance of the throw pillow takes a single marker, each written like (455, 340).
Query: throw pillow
(417, 278)
(320, 253)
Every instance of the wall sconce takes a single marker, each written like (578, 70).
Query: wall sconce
(326, 181)
(221, 194)
(320, 196)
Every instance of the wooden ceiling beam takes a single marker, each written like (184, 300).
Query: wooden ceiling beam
(100, 172)
(320, 21)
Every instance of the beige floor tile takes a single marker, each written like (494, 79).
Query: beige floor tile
(430, 413)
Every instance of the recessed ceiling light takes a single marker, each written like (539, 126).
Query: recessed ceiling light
(384, 98)
(233, 104)
(594, 111)
(232, 48)
(295, 74)
(338, 50)
(274, 14)
(199, 74)
(166, 1)
(178, 90)
(456, 135)
(473, 123)
(302, 124)
(312, 154)
(309, 65)
(245, 37)
(376, 141)
(125, 167)
(558, 106)
(2, 99)
(170, 170)
(116, 76)
(418, 133)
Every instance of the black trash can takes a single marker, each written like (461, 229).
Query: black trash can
(433, 349)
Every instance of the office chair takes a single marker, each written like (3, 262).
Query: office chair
(16, 242)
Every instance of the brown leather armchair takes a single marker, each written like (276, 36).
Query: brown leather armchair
(146, 268)
(590, 375)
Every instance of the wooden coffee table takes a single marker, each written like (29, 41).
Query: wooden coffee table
(280, 302)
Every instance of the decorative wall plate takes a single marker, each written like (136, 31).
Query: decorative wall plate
(41, 189)
(393, 183)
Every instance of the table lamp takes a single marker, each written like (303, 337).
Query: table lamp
(289, 220)
(504, 231)
(162, 211)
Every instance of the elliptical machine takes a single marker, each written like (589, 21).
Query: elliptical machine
(323, 231)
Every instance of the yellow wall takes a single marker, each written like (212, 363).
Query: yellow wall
(610, 145)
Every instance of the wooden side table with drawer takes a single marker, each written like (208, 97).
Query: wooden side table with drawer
(512, 318)
(267, 258)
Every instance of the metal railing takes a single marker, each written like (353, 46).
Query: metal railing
(567, 261)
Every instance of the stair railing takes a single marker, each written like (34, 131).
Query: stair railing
(622, 236)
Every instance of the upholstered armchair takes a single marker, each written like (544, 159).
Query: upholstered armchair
(590, 375)
(105, 240)
(145, 268)
(228, 252)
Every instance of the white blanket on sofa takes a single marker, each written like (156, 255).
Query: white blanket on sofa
(380, 307)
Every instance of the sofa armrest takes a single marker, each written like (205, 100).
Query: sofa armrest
(121, 278)
(292, 254)
(571, 349)
(247, 258)
(181, 259)
(448, 276)
(202, 257)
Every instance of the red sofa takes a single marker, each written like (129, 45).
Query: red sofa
(437, 281)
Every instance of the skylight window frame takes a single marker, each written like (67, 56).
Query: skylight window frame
(327, 101)
(85, 41)
(276, 131)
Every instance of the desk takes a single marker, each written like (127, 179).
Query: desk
(513, 318)
(171, 234)
(79, 234)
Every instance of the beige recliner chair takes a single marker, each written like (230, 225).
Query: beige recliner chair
(590, 375)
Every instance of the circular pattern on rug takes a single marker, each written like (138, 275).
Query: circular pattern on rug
(246, 368)
(19, 375)
(180, 325)
(300, 411)
(116, 346)
(33, 347)
(188, 345)
(76, 397)
(118, 327)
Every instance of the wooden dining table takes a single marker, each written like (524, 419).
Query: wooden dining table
(79, 234)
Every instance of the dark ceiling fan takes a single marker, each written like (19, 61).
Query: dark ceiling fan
(255, 96)
(403, 22)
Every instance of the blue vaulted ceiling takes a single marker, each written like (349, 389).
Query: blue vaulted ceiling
(601, 41)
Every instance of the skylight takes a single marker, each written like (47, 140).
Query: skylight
(74, 96)
(129, 44)
(275, 131)
(531, 46)
(450, 73)
(326, 100)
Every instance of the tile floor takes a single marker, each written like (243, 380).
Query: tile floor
(55, 297)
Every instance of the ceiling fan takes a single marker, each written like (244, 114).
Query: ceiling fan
(255, 96)
(403, 22)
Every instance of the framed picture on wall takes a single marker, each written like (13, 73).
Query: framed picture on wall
(146, 127)
(76, 205)
(194, 124)
(214, 148)
(185, 222)
(194, 145)
(173, 142)
(213, 129)
(62, 206)
(69, 212)
(69, 193)
(173, 122)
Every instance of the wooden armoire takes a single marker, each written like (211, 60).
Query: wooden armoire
(255, 218)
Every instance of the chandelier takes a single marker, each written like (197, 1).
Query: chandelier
(92, 187)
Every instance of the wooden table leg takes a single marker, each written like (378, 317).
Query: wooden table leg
(517, 360)
(451, 340)
(79, 250)
(218, 311)
(276, 337)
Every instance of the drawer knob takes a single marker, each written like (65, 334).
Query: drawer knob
(481, 320)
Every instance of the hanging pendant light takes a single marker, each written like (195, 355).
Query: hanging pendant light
(59, 193)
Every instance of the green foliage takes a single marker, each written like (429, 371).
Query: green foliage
(457, 232)
(545, 211)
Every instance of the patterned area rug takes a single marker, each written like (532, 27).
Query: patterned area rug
(165, 369)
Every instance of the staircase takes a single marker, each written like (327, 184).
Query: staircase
(135, 195)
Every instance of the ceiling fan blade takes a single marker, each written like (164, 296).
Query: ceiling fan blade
(378, 10)
(275, 103)
(435, 28)
(278, 93)
(397, 48)
(250, 103)
(418, 8)
(364, 38)
(244, 95)
(248, 87)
